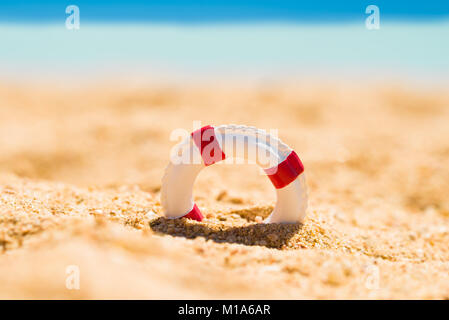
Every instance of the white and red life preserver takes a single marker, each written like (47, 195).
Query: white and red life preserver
(207, 146)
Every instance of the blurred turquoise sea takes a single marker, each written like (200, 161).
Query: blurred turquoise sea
(418, 49)
(225, 39)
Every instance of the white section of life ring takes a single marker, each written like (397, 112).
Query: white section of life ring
(179, 178)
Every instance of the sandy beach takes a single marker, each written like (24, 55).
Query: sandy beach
(80, 179)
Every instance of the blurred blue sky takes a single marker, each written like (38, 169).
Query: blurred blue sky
(196, 11)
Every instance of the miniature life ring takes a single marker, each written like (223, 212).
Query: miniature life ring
(210, 145)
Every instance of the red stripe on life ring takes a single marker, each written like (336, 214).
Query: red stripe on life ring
(194, 214)
(207, 143)
(286, 171)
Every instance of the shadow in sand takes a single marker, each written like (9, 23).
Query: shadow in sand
(274, 235)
